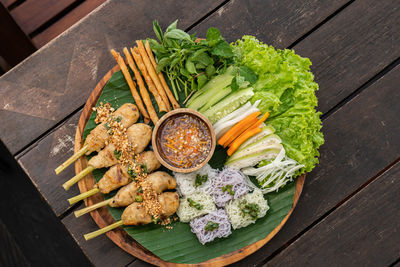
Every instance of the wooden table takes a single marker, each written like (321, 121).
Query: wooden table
(349, 211)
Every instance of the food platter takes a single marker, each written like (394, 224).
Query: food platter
(209, 167)
(120, 237)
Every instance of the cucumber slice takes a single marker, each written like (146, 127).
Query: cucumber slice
(213, 99)
(250, 160)
(266, 141)
(209, 89)
(266, 130)
(228, 104)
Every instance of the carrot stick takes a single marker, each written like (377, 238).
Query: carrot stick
(162, 107)
(243, 137)
(261, 120)
(131, 84)
(161, 77)
(142, 88)
(152, 73)
(238, 128)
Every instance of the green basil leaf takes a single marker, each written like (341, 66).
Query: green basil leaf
(213, 36)
(172, 26)
(190, 67)
(210, 70)
(174, 62)
(156, 47)
(158, 31)
(222, 49)
(185, 72)
(200, 66)
(162, 63)
(177, 34)
(204, 59)
(196, 54)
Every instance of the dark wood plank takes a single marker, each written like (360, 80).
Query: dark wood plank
(40, 235)
(8, 3)
(10, 252)
(32, 14)
(57, 80)
(101, 251)
(50, 152)
(278, 23)
(65, 22)
(362, 138)
(346, 51)
(357, 44)
(14, 45)
(361, 232)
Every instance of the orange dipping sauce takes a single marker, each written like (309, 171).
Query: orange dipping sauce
(185, 141)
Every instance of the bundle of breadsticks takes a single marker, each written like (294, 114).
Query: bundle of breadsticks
(142, 57)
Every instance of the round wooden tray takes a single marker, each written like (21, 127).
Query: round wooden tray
(103, 218)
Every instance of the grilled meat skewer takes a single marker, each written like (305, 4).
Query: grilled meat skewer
(125, 196)
(118, 175)
(95, 141)
(135, 214)
(138, 134)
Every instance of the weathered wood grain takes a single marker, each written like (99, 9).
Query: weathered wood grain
(65, 22)
(346, 51)
(354, 46)
(278, 23)
(30, 14)
(362, 138)
(7, 3)
(39, 164)
(101, 251)
(364, 231)
(14, 44)
(57, 80)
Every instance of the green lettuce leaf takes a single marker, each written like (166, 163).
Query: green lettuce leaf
(287, 90)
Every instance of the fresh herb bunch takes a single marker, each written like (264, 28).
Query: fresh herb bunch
(187, 61)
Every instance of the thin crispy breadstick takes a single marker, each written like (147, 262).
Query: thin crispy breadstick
(131, 84)
(161, 77)
(152, 72)
(142, 88)
(139, 61)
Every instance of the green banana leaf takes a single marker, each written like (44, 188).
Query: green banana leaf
(179, 244)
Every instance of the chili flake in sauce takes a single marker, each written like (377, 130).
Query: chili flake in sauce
(185, 141)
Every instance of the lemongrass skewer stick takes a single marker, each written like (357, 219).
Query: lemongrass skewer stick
(152, 72)
(161, 77)
(84, 195)
(78, 177)
(103, 230)
(142, 88)
(72, 159)
(83, 211)
(131, 84)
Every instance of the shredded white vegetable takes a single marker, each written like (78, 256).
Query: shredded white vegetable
(224, 124)
(273, 176)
